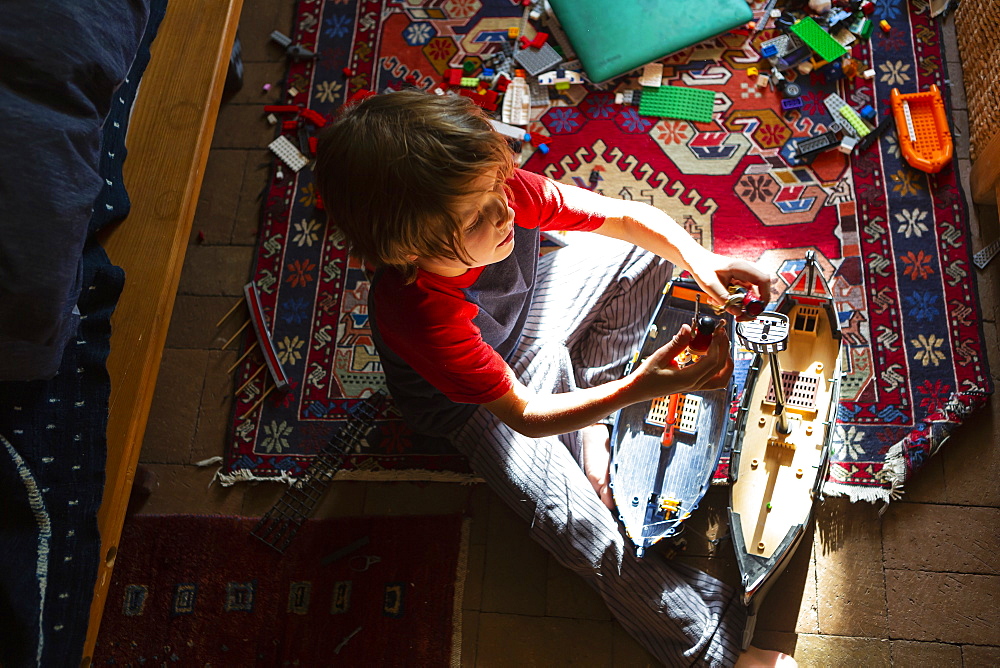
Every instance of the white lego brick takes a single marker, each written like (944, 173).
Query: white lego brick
(508, 130)
(288, 153)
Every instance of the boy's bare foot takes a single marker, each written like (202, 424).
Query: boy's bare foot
(597, 460)
(754, 657)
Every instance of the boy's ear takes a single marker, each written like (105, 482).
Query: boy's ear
(412, 258)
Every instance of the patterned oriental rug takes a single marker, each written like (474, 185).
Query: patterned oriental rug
(199, 590)
(892, 241)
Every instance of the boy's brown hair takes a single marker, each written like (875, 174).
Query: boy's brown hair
(391, 167)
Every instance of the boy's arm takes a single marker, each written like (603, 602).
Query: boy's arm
(538, 415)
(652, 229)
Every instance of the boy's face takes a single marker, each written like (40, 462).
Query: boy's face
(488, 232)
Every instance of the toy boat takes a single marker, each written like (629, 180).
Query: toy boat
(664, 452)
(782, 437)
(922, 125)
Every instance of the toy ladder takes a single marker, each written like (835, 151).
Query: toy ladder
(281, 523)
(768, 335)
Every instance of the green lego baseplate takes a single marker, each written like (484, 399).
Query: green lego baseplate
(689, 104)
(818, 39)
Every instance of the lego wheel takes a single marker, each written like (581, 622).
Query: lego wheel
(792, 90)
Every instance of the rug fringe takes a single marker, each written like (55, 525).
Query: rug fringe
(461, 571)
(246, 475)
(411, 475)
(854, 493)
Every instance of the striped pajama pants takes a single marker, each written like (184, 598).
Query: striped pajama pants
(592, 302)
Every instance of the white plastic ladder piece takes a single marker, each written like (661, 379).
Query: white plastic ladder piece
(909, 122)
(987, 253)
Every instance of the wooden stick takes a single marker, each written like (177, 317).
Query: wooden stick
(262, 397)
(244, 326)
(243, 356)
(228, 313)
(255, 374)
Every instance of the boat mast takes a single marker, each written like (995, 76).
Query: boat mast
(768, 335)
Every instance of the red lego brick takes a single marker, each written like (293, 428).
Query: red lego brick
(487, 99)
(314, 117)
(281, 109)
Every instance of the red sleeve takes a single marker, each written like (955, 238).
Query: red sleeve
(429, 325)
(538, 203)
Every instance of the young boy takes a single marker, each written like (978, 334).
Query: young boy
(517, 359)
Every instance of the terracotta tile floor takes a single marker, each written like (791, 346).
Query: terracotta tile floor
(918, 587)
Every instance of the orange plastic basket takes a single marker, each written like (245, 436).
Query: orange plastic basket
(922, 128)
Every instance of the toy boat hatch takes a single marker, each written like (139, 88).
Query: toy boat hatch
(782, 437)
(664, 452)
(922, 125)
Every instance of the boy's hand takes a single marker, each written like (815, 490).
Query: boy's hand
(659, 375)
(715, 273)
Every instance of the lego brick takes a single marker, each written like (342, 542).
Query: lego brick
(539, 93)
(629, 96)
(782, 45)
(796, 57)
(692, 104)
(540, 60)
(866, 30)
(803, 147)
(652, 75)
(844, 37)
(847, 144)
(508, 130)
(849, 120)
(288, 153)
(818, 39)
(791, 103)
(859, 24)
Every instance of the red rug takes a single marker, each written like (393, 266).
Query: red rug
(199, 590)
(892, 241)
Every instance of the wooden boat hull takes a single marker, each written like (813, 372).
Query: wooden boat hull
(645, 474)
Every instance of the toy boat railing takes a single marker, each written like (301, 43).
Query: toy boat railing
(922, 126)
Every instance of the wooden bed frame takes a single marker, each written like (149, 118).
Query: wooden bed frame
(168, 141)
